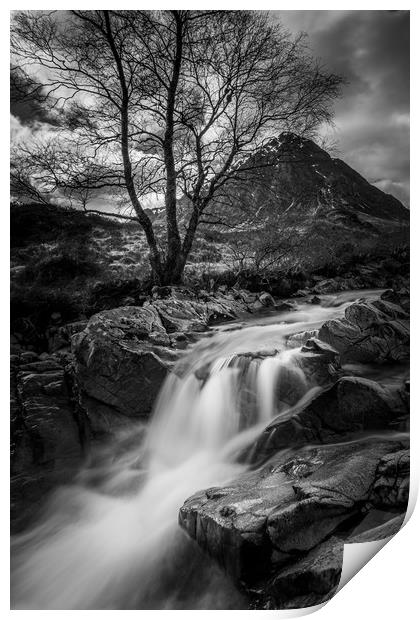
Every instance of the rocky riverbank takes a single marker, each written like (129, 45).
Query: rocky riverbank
(336, 470)
(102, 374)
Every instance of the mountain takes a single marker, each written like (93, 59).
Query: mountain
(292, 175)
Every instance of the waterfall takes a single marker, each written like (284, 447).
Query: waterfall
(111, 539)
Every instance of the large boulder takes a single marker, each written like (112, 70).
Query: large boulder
(268, 519)
(320, 362)
(299, 339)
(369, 332)
(267, 300)
(351, 405)
(121, 361)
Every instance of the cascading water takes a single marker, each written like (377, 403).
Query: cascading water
(111, 540)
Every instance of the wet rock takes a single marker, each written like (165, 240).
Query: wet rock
(299, 339)
(320, 362)
(119, 367)
(350, 406)
(286, 306)
(270, 517)
(267, 300)
(314, 345)
(315, 300)
(369, 333)
(48, 436)
(291, 387)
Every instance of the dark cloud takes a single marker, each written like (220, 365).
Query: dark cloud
(28, 101)
(371, 49)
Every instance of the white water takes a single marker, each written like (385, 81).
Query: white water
(111, 540)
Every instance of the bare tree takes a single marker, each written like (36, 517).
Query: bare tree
(22, 188)
(174, 102)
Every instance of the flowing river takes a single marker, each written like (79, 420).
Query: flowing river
(111, 540)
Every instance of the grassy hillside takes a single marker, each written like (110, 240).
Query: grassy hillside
(64, 261)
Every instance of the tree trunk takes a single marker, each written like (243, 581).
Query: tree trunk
(173, 237)
(144, 220)
(173, 271)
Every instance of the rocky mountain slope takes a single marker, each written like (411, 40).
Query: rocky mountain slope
(294, 176)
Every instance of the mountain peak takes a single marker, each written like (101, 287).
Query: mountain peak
(294, 170)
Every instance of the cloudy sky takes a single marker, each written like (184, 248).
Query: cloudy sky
(371, 49)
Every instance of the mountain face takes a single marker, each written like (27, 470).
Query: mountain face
(294, 176)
